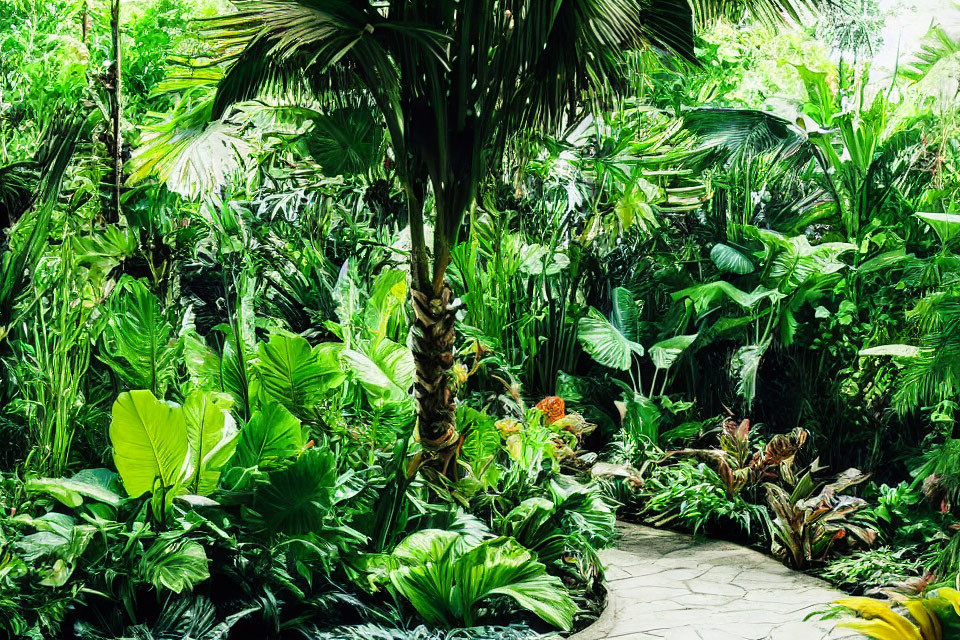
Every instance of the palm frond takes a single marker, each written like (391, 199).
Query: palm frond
(771, 13)
(938, 53)
(934, 375)
(188, 152)
(326, 45)
(744, 133)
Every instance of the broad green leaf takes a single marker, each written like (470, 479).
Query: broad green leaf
(385, 307)
(102, 250)
(666, 352)
(642, 416)
(946, 225)
(634, 206)
(730, 260)
(212, 371)
(139, 342)
(293, 374)
(448, 578)
(174, 566)
(385, 370)
(901, 350)
(626, 314)
(426, 578)
(503, 567)
(72, 491)
(188, 152)
(272, 434)
(296, 500)
(883, 261)
(212, 437)
(707, 295)
(604, 342)
(538, 260)
(149, 440)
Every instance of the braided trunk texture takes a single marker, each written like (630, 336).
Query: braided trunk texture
(432, 346)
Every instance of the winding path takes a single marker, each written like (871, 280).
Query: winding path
(669, 586)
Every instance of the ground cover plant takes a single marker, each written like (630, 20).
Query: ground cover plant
(368, 319)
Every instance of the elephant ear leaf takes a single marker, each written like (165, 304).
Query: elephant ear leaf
(504, 567)
(149, 440)
(176, 566)
(95, 484)
(730, 260)
(139, 341)
(605, 343)
(297, 500)
(295, 375)
(666, 352)
(211, 436)
(272, 434)
(385, 369)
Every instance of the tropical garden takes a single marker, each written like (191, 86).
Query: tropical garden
(368, 319)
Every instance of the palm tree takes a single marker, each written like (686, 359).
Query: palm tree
(453, 81)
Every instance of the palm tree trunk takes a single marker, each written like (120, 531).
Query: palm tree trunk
(433, 337)
(116, 168)
(432, 346)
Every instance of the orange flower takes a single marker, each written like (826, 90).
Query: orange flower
(552, 408)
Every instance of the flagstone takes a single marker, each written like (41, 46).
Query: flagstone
(664, 585)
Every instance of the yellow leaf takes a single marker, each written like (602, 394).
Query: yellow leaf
(876, 629)
(929, 624)
(952, 596)
(870, 608)
(515, 447)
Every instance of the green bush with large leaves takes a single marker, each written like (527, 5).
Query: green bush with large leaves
(448, 580)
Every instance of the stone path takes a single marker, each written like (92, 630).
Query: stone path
(669, 586)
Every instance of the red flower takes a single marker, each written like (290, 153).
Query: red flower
(553, 409)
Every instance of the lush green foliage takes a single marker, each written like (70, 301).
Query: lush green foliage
(205, 393)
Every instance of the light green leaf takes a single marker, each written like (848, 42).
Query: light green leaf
(426, 578)
(707, 295)
(212, 437)
(188, 152)
(174, 566)
(666, 352)
(139, 342)
(946, 225)
(481, 445)
(72, 491)
(503, 567)
(149, 440)
(388, 296)
(216, 372)
(385, 370)
(272, 434)
(447, 577)
(604, 342)
(293, 374)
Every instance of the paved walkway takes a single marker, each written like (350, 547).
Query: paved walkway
(669, 586)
